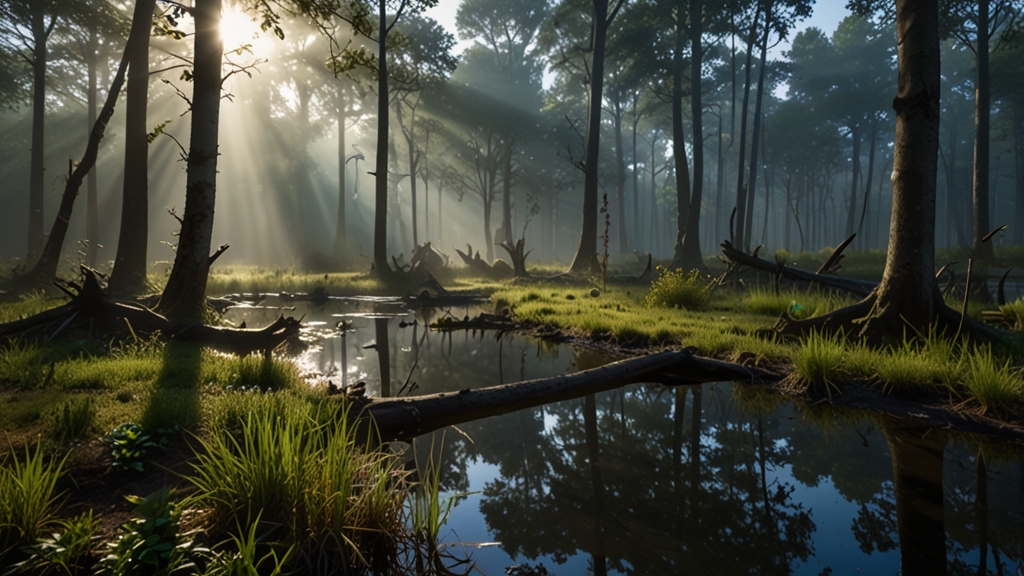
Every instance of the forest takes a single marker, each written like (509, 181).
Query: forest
(526, 287)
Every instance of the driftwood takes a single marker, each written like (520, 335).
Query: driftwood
(90, 309)
(518, 256)
(500, 268)
(402, 418)
(859, 287)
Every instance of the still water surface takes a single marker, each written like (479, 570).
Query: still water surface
(711, 479)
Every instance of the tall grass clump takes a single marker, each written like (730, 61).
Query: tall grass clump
(73, 419)
(28, 499)
(992, 383)
(678, 289)
(338, 501)
(818, 358)
(798, 304)
(1013, 313)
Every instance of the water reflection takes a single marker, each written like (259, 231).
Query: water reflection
(709, 479)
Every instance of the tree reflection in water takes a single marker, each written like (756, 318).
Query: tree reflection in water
(712, 479)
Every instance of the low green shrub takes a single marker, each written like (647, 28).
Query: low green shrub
(28, 499)
(678, 289)
(70, 551)
(151, 543)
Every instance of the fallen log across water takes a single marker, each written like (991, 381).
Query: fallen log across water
(403, 418)
(859, 287)
(92, 310)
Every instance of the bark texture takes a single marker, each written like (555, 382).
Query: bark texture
(184, 297)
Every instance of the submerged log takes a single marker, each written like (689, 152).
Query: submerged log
(859, 287)
(403, 418)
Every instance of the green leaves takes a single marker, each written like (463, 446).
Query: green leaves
(131, 444)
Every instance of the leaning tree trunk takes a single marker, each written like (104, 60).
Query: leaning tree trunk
(587, 249)
(129, 273)
(45, 269)
(506, 196)
(185, 294)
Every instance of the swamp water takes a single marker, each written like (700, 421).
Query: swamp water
(709, 479)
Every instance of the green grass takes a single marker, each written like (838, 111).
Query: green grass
(990, 380)
(797, 303)
(302, 468)
(1013, 312)
(28, 499)
(817, 359)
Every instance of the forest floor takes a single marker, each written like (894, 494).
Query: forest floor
(69, 392)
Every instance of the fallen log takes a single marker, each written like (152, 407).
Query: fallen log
(90, 307)
(403, 418)
(859, 287)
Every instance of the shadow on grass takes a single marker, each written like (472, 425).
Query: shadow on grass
(175, 395)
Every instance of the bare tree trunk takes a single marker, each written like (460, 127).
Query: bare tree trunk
(506, 196)
(620, 181)
(982, 128)
(588, 236)
(688, 255)
(756, 138)
(1018, 162)
(380, 215)
(35, 187)
(741, 188)
(867, 183)
(679, 152)
(92, 220)
(855, 173)
(908, 288)
(129, 273)
(340, 232)
(184, 297)
(42, 274)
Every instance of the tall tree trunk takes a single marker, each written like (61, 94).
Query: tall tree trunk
(340, 232)
(1018, 162)
(982, 113)
(380, 215)
(679, 147)
(92, 219)
(855, 173)
(587, 249)
(506, 196)
(35, 187)
(741, 188)
(719, 183)
(867, 183)
(45, 268)
(184, 297)
(636, 181)
(908, 290)
(756, 137)
(688, 255)
(129, 273)
(620, 180)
